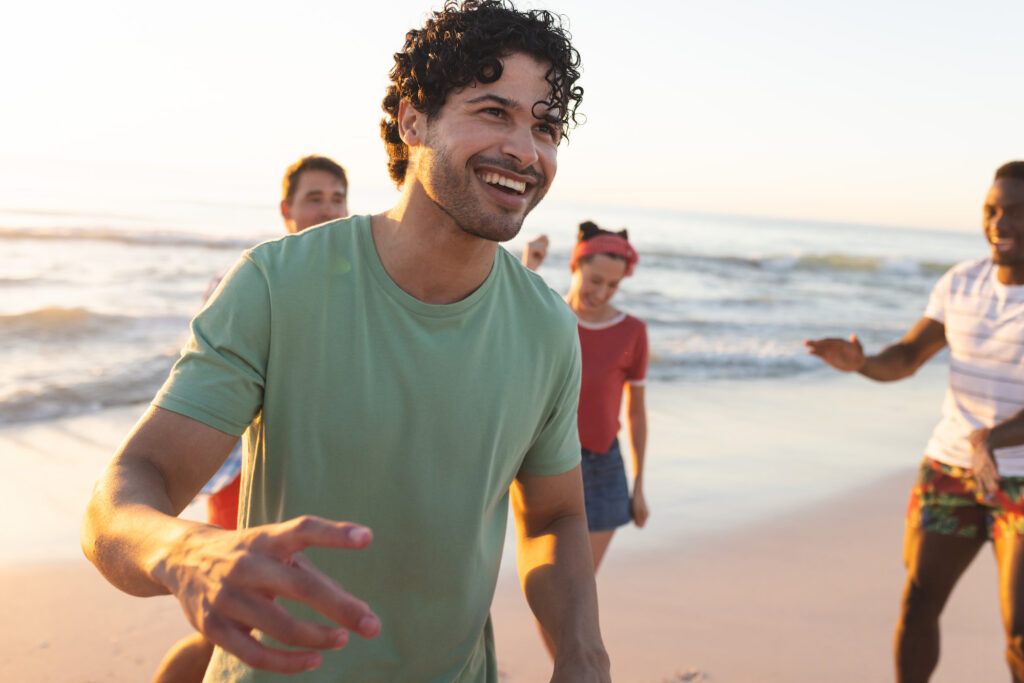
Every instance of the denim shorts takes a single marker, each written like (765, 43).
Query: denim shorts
(605, 490)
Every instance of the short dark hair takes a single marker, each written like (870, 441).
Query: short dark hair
(312, 162)
(1012, 169)
(464, 44)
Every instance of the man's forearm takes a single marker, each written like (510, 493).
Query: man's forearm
(892, 363)
(1007, 433)
(557, 574)
(128, 528)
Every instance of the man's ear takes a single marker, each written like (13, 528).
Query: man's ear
(286, 211)
(410, 123)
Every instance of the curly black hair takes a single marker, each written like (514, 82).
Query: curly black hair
(464, 44)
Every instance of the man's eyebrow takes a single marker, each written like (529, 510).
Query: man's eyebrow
(497, 99)
(513, 104)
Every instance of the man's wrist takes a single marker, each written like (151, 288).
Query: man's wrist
(981, 437)
(164, 562)
(583, 658)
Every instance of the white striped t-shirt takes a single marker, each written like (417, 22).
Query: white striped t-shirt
(984, 323)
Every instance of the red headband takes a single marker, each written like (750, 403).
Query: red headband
(605, 244)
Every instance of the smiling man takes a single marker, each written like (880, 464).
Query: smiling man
(315, 190)
(971, 484)
(399, 378)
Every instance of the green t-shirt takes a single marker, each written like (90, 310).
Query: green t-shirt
(361, 403)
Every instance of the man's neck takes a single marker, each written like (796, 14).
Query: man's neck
(426, 254)
(1010, 275)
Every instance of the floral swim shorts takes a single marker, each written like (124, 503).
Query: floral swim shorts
(946, 500)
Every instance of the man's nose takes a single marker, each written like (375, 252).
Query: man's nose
(1000, 223)
(521, 146)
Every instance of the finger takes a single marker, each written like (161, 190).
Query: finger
(307, 584)
(299, 580)
(987, 483)
(991, 481)
(287, 538)
(235, 639)
(268, 616)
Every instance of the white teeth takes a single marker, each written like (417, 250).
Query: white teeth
(495, 179)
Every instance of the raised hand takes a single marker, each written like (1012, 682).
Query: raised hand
(228, 582)
(535, 252)
(847, 356)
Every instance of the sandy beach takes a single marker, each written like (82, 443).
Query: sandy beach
(786, 585)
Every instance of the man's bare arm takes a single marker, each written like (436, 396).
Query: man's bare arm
(557, 572)
(902, 359)
(226, 581)
(987, 439)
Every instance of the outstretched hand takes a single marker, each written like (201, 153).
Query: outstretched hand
(228, 582)
(847, 356)
(535, 252)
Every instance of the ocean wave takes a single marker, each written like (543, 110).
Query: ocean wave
(133, 383)
(823, 262)
(59, 322)
(64, 325)
(140, 238)
(705, 365)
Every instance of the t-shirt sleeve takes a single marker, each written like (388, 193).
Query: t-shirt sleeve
(637, 371)
(557, 447)
(936, 308)
(219, 377)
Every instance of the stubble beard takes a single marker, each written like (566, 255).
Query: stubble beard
(451, 192)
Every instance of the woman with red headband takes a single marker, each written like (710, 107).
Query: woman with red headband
(614, 346)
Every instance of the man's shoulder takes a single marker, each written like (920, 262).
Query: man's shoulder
(534, 295)
(967, 274)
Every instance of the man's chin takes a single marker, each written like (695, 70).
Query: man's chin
(1000, 259)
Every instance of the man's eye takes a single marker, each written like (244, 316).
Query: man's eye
(549, 130)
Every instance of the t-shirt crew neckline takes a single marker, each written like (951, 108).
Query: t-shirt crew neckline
(604, 324)
(369, 252)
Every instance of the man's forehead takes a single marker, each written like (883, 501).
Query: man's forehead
(314, 179)
(536, 81)
(1007, 191)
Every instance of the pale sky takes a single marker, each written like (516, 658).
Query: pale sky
(873, 111)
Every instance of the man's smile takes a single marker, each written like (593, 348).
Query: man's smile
(503, 182)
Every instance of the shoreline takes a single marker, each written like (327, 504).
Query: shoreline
(720, 456)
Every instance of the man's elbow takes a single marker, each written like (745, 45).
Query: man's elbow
(94, 534)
